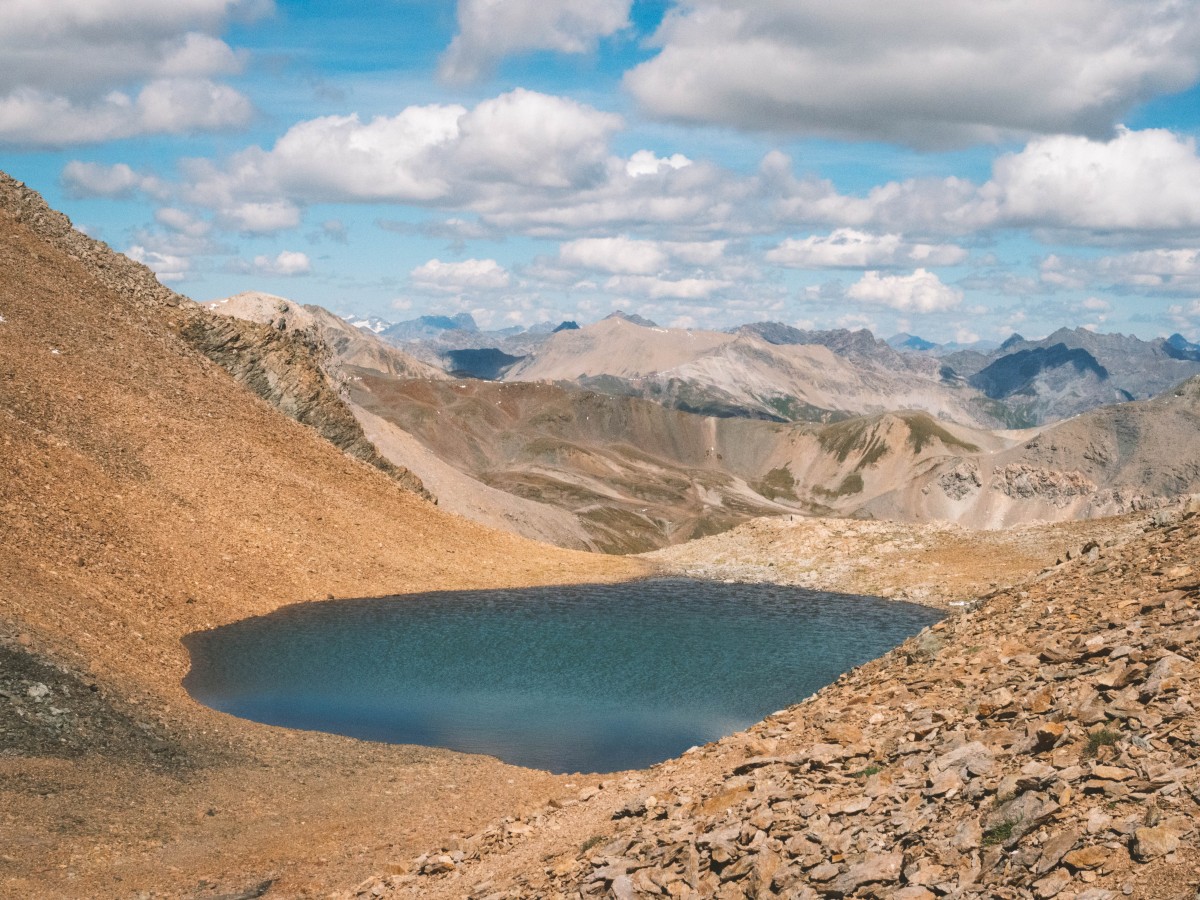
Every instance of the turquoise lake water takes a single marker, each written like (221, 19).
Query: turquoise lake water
(586, 678)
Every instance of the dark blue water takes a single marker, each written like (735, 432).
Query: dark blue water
(588, 678)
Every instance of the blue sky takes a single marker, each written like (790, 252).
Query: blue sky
(959, 171)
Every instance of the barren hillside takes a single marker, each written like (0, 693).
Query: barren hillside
(146, 494)
(742, 374)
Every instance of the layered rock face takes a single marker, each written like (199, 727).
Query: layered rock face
(1044, 744)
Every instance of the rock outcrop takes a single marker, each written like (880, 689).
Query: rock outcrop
(285, 369)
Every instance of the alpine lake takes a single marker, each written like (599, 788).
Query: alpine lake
(584, 678)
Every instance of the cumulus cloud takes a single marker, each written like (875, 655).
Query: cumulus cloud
(168, 106)
(84, 179)
(454, 277)
(1160, 271)
(168, 267)
(262, 217)
(657, 288)
(644, 162)
(1185, 317)
(182, 222)
(439, 155)
(335, 230)
(1139, 180)
(488, 31)
(862, 69)
(920, 292)
(79, 72)
(847, 248)
(287, 263)
(629, 256)
(1136, 183)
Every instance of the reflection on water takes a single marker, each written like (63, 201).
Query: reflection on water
(581, 678)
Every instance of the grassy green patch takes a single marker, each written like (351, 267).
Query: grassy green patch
(867, 772)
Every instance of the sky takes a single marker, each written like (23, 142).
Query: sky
(960, 171)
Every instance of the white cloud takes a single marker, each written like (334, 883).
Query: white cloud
(287, 263)
(261, 218)
(335, 230)
(1185, 317)
(453, 277)
(629, 256)
(167, 106)
(533, 139)
(1134, 184)
(620, 255)
(880, 71)
(78, 72)
(84, 179)
(847, 248)
(659, 288)
(167, 267)
(644, 162)
(1155, 272)
(1138, 181)
(521, 142)
(920, 292)
(489, 30)
(182, 221)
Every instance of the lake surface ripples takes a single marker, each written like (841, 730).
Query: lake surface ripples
(585, 678)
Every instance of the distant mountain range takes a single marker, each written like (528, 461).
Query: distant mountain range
(624, 436)
(774, 371)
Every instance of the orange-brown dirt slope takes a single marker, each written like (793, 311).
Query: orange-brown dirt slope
(144, 494)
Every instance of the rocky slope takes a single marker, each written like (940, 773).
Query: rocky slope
(935, 564)
(145, 494)
(632, 475)
(347, 355)
(344, 344)
(1104, 462)
(1043, 744)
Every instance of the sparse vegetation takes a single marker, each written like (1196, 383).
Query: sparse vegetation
(922, 431)
(843, 438)
(867, 772)
(591, 842)
(851, 484)
(999, 834)
(1103, 737)
(777, 483)
(794, 410)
